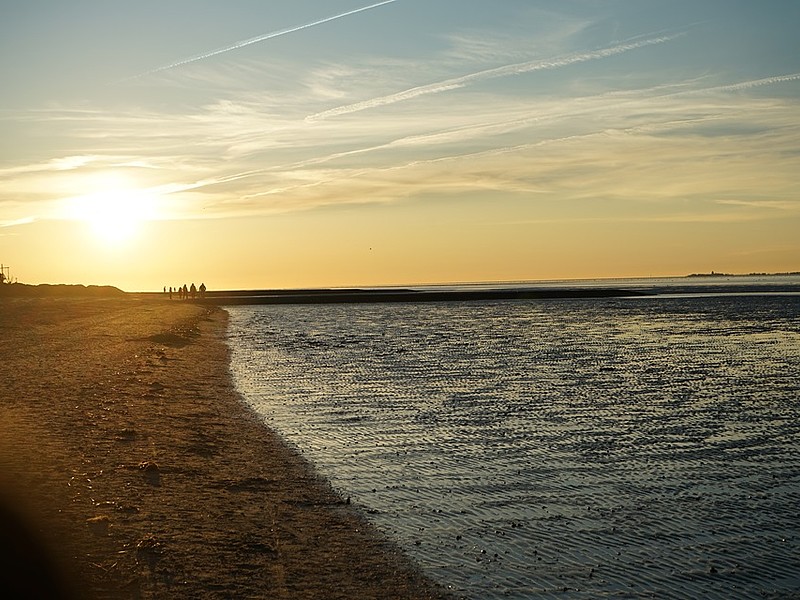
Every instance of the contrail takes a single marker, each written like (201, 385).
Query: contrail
(464, 80)
(746, 85)
(260, 38)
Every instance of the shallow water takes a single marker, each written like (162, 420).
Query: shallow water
(576, 448)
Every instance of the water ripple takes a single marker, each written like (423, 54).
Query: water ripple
(612, 448)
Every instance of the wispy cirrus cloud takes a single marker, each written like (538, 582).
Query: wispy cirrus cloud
(16, 222)
(746, 85)
(66, 163)
(504, 71)
(253, 151)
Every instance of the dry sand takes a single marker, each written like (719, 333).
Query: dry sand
(138, 467)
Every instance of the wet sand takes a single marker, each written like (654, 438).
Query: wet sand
(134, 463)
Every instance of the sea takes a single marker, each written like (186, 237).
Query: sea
(579, 448)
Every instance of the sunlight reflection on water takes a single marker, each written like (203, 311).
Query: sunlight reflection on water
(536, 448)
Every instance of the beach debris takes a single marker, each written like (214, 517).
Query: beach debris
(99, 525)
(127, 509)
(152, 474)
(127, 435)
(105, 569)
(149, 550)
(173, 340)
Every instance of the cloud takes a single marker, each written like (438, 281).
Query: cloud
(746, 85)
(504, 71)
(16, 222)
(782, 205)
(66, 163)
(257, 39)
(245, 153)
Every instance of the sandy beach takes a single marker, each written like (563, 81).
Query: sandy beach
(137, 472)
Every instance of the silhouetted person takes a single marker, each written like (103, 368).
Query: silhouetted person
(193, 290)
(185, 292)
(202, 290)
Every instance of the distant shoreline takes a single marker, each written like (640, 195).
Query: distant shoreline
(715, 274)
(534, 290)
(348, 296)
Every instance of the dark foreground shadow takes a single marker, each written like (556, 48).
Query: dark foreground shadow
(28, 567)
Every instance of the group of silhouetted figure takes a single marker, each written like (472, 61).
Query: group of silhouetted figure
(185, 293)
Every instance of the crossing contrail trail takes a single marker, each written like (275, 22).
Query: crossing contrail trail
(260, 38)
(513, 69)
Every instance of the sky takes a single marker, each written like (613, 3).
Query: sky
(257, 144)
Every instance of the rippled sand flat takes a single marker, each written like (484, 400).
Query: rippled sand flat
(625, 448)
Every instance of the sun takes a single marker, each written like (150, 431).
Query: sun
(115, 216)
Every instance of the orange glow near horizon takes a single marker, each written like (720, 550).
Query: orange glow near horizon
(386, 246)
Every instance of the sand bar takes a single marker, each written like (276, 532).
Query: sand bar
(396, 295)
(138, 467)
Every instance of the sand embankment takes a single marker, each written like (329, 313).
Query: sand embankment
(134, 460)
